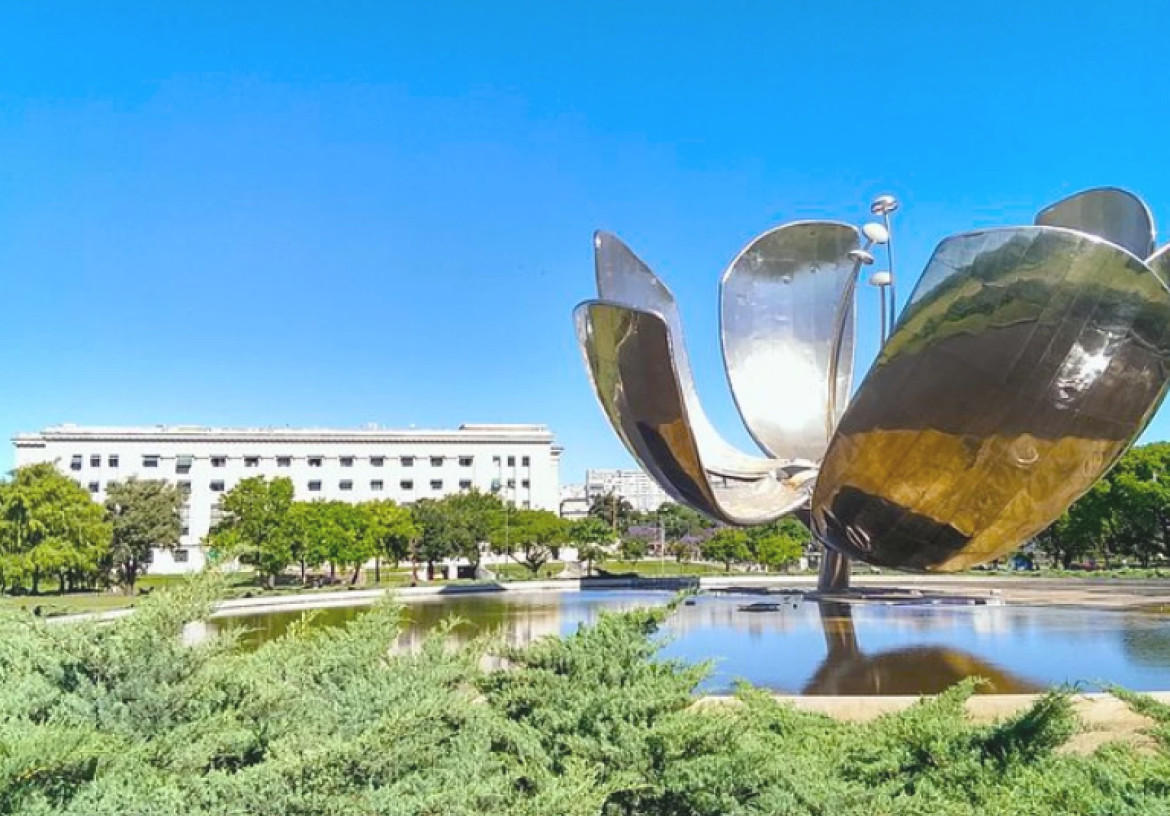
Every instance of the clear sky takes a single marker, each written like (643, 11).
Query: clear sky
(339, 213)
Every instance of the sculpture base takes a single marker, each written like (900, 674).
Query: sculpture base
(834, 575)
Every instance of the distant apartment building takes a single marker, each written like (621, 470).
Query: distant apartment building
(520, 463)
(642, 492)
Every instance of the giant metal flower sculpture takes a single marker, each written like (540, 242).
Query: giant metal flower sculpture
(1025, 362)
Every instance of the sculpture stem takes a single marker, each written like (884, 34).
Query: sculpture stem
(834, 576)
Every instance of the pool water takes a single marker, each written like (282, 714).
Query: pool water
(806, 647)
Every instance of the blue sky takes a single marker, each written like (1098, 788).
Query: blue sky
(332, 214)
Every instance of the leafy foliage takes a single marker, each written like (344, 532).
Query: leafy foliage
(49, 525)
(124, 719)
(143, 515)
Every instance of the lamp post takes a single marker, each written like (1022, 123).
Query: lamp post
(883, 205)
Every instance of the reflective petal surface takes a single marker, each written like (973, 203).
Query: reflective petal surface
(630, 362)
(1107, 212)
(623, 278)
(779, 304)
(1025, 363)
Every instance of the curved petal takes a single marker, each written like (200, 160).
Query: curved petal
(1118, 216)
(1159, 262)
(779, 313)
(623, 278)
(1026, 362)
(630, 362)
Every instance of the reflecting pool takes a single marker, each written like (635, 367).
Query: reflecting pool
(805, 647)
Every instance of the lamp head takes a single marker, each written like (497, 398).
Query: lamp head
(882, 278)
(883, 205)
(875, 233)
(860, 256)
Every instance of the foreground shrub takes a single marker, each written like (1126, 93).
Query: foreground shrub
(125, 719)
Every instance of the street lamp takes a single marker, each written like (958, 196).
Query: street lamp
(883, 205)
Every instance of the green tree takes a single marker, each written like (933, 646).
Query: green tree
(728, 546)
(142, 515)
(777, 545)
(590, 535)
(439, 535)
(633, 548)
(257, 526)
(391, 529)
(614, 511)
(49, 525)
(532, 538)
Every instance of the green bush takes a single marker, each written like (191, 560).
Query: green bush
(125, 719)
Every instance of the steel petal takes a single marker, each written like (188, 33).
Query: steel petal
(1117, 216)
(1025, 364)
(779, 303)
(623, 278)
(630, 361)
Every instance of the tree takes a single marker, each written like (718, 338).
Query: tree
(613, 510)
(590, 535)
(777, 545)
(257, 526)
(727, 546)
(532, 538)
(391, 530)
(142, 515)
(439, 535)
(633, 548)
(49, 525)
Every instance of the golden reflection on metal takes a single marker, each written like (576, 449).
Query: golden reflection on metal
(1025, 363)
(779, 301)
(1115, 215)
(630, 361)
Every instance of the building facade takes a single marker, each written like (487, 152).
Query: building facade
(520, 463)
(642, 492)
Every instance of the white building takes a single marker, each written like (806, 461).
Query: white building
(519, 462)
(642, 492)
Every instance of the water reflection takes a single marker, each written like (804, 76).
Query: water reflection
(847, 670)
(810, 648)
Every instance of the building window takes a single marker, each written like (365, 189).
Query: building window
(217, 487)
(112, 460)
(377, 461)
(183, 464)
(75, 463)
(181, 556)
(347, 461)
(218, 461)
(524, 483)
(376, 485)
(216, 515)
(464, 461)
(512, 483)
(524, 462)
(185, 530)
(314, 487)
(346, 484)
(511, 461)
(95, 460)
(436, 461)
(284, 461)
(408, 461)
(525, 505)
(251, 461)
(465, 484)
(436, 484)
(94, 487)
(150, 461)
(406, 484)
(495, 460)
(314, 461)
(184, 488)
